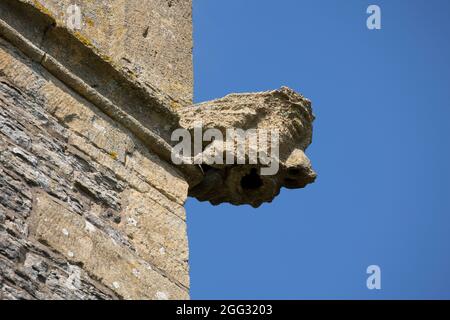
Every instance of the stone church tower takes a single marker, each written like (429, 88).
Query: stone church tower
(91, 203)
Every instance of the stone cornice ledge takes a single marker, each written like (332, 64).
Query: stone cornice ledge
(144, 110)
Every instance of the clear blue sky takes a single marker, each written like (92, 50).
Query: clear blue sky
(381, 149)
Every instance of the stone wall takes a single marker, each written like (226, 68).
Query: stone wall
(87, 210)
(148, 39)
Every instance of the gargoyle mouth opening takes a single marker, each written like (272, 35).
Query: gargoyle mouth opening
(294, 172)
(251, 181)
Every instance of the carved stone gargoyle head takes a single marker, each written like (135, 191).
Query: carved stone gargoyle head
(284, 115)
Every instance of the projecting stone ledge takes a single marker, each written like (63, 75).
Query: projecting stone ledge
(283, 111)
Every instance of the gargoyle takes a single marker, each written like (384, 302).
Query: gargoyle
(283, 111)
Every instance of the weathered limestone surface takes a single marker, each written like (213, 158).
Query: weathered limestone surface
(91, 205)
(85, 211)
(150, 40)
